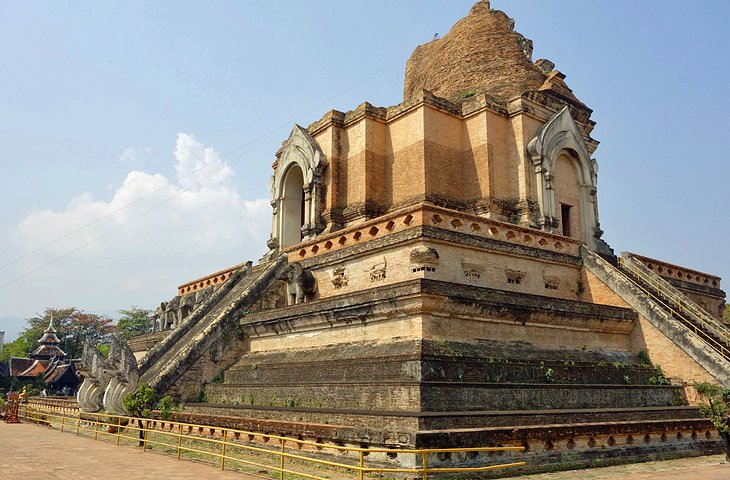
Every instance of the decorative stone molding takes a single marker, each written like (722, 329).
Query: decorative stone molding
(214, 279)
(301, 151)
(669, 270)
(559, 134)
(439, 217)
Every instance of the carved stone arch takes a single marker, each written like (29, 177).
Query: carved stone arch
(561, 134)
(300, 151)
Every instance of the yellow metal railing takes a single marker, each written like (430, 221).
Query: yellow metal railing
(230, 445)
(667, 289)
(705, 320)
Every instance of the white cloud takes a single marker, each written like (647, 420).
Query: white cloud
(135, 157)
(154, 234)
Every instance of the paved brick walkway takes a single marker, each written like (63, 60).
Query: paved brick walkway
(39, 453)
(700, 468)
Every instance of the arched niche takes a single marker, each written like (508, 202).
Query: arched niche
(292, 207)
(296, 191)
(557, 148)
(569, 202)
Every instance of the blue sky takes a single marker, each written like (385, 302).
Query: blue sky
(104, 103)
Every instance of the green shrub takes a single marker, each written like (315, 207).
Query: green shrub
(717, 409)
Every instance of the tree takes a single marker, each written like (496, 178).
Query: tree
(20, 347)
(135, 321)
(73, 327)
(139, 405)
(717, 409)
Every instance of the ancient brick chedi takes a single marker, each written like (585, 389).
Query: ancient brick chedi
(436, 276)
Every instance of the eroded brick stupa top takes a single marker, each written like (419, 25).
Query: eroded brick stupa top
(481, 53)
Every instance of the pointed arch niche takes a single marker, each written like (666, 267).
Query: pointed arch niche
(296, 191)
(565, 180)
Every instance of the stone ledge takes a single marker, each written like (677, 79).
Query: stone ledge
(462, 437)
(343, 306)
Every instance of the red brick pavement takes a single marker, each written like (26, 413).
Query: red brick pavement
(40, 453)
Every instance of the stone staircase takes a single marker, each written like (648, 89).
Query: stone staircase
(687, 325)
(684, 310)
(170, 358)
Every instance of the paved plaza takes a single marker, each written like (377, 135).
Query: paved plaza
(40, 453)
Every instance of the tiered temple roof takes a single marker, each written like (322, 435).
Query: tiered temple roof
(47, 361)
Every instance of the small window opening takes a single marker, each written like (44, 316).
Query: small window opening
(565, 219)
(424, 269)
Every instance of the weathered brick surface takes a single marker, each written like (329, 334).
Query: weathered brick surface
(481, 50)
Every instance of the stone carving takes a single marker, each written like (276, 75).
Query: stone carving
(377, 271)
(123, 375)
(339, 277)
(157, 318)
(424, 256)
(171, 313)
(471, 270)
(275, 297)
(92, 368)
(106, 382)
(514, 276)
(300, 283)
(551, 282)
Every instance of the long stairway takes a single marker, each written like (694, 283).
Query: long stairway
(170, 358)
(693, 317)
(696, 332)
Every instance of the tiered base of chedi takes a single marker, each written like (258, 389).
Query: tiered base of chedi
(436, 278)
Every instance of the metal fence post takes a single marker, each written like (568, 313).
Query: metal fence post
(281, 463)
(179, 441)
(96, 426)
(424, 457)
(144, 434)
(223, 450)
(362, 464)
(119, 428)
(63, 422)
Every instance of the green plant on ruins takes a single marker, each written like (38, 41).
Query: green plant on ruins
(643, 358)
(717, 409)
(659, 378)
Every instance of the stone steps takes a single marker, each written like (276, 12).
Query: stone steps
(178, 357)
(446, 396)
(510, 418)
(406, 368)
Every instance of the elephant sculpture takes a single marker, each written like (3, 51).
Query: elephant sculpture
(300, 283)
